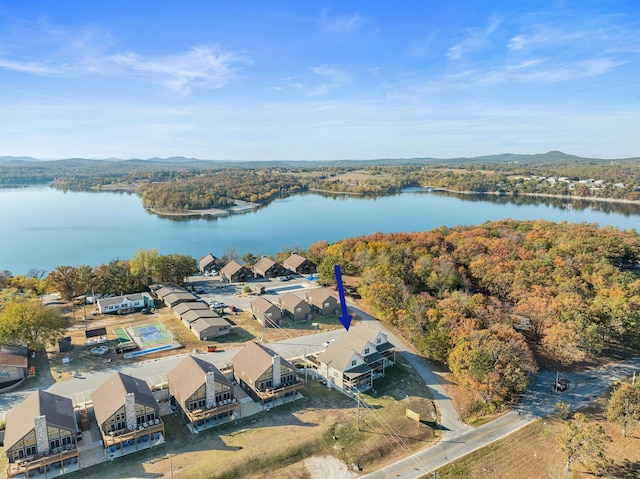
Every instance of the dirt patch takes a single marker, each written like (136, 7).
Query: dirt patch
(328, 467)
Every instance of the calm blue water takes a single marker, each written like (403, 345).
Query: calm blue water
(43, 228)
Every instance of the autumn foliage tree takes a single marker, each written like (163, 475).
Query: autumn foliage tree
(30, 323)
(623, 407)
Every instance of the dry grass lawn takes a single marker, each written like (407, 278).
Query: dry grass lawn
(534, 453)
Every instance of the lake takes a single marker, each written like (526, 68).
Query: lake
(43, 228)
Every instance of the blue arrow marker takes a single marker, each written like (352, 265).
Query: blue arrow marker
(345, 319)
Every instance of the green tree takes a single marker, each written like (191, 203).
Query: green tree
(143, 265)
(624, 406)
(116, 277)
(64, 280)
(584, 442)
(31, 323)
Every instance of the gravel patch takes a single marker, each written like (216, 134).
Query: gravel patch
(328, 467)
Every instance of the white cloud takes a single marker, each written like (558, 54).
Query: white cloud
(475, 38)
(341, 23)
(202, 66)
(329, 78)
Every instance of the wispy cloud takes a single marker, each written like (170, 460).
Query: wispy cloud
(325, 79)
(200, 67)
(474, 39)
(341, 23)
(58, 53)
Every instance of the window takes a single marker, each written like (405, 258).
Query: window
(366, 350)
(31, 451)
(353, 362)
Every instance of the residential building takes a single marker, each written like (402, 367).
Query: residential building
(356, 359)
(299, 264)
(294, 308)
(14, 364)
(322, 301)
(267, 268)
(267, 313)
(234, 272)
(264, 375)
(124, 304)
(203, 395)
(210, 263)
(41, 433)
(127, 414)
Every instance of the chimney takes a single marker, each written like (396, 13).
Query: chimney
(42, 435)
(210, 389)
(130, 411)
(275, 361)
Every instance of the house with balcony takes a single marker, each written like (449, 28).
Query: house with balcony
(41, 434)
(203, 395)
(128, 415)
(356, 359)
(265, 375)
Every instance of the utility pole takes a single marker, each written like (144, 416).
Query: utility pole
(358, 408)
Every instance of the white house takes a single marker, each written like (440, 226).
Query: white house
(125, 304)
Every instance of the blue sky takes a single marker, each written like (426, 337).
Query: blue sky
(313, 80)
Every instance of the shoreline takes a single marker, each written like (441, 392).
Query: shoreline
(540, 195)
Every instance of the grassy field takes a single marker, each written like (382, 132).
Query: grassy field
(534, 453)
(324, 422)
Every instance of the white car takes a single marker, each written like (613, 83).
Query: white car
(217, 305)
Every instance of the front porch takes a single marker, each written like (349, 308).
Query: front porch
(51, 465)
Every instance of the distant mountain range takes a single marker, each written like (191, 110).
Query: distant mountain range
(537, 158)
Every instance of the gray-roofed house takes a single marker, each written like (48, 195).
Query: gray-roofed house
(234, 272)
(127, 303)
(322, 301)
(14, 363)
(267, 268)
(127, 414)
(41, 433)
(267, 313)
(264, 374)
(204, 395)
(209, 263)
(205, 324)
(294, 308)
(377, 338)
(166, 289)
(356, 359)
(180, 309)
(299, 264)
(175, 298)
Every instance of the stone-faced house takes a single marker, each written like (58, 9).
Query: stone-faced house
(294, 308)
(264, 375)
(234, 272)
(267, 313)
(41, 433)
(203, 395)
(127, 303)
(299, 264)
(127, 413)
(322, 301)
(267, 268)
(209, 263)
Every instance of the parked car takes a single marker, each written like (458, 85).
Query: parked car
(217, 305)
(283, 278)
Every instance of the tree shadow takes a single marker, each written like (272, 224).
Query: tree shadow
(627, 470)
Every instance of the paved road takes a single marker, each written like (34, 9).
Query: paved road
(458, 439)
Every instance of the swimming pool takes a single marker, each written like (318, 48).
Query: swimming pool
(150, 350)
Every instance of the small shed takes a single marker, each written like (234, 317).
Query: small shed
(96, 336)
(64, 344)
